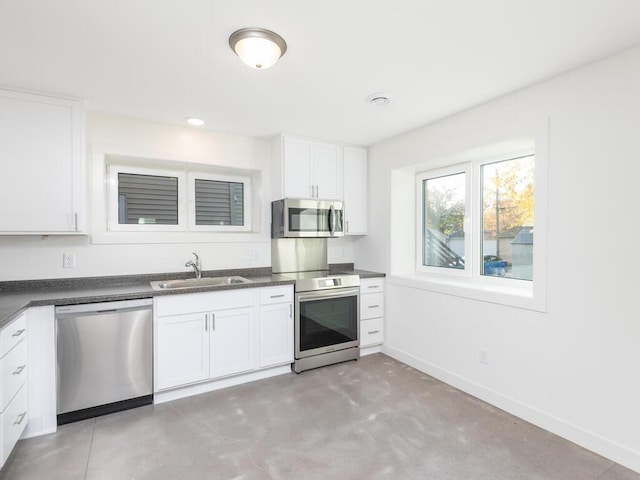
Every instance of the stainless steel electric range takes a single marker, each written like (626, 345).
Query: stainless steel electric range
(327, 327)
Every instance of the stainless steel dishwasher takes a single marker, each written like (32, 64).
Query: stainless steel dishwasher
(104, 358)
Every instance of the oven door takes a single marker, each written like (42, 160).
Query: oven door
(326, 321)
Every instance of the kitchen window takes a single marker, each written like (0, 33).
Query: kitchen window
(476, 220)
(219, 202)
(145, 199)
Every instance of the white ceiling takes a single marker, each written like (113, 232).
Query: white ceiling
(164, 60)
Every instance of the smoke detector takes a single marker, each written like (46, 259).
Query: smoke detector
(378, 99)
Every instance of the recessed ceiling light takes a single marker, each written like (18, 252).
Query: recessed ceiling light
(378, 99)
(196, 122)
(257, 47)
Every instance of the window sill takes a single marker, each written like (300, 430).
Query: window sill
(523, 295)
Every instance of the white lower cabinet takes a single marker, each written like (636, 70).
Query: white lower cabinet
(206, 336)
(232, 337)
(371, 311)
(13, 384)
(182, 350)
(275, 326)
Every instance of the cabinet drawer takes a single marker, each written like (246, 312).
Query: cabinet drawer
(12, 334)
(14, 372)
(371, 332)
(203, 302)
(371, 305)
(371, 285)
(282, 294)
(14, 420)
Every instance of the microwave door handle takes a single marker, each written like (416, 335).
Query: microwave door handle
(331, 220)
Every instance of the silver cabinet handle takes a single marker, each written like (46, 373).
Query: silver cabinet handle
(19, 332)
(213, 321)
(19, 370)
(374, 331)
(290, 310)
(346, 226)
(312, 191)
(20, 418)
(75, 215)
(206, 322)
(373, 286)
(277, 296)
(374, 306)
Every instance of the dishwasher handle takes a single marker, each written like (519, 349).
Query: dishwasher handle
(103, 308)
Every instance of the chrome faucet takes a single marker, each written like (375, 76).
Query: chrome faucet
(195, 265)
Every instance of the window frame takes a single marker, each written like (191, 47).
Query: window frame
(113, 170)
(246, 189)
(421, 177)
(473, 226)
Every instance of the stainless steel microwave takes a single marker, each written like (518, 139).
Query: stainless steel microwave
(304, 218)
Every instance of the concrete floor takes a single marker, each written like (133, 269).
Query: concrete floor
(372, 419)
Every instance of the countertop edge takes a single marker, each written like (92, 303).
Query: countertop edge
(20, 300)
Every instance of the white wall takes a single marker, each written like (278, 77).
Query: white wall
(573, 369)
(38, 257)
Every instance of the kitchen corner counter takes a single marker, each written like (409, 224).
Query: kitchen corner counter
(16, 296)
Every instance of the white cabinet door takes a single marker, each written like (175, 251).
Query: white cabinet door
(327, 171)
(232, 341)
(182, 349)
(275, 335)
(41, 157)
(296, 164)
(355, 190)
(310, 169)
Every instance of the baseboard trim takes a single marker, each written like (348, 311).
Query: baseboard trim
(210, 386)
(596, 443)
(369, 350)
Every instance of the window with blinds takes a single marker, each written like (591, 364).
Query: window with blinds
(219, 202)
(165, 199)
(147, 199)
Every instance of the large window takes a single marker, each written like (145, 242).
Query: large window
(477, 219)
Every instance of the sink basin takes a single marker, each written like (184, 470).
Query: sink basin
(198, 282)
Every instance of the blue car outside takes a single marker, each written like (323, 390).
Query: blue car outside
(495, 266)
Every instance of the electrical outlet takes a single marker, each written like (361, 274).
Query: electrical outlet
(69, 260)
(484, 356)
(253, 255)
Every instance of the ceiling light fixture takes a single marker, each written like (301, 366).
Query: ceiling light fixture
(257, 47)
(196, 122)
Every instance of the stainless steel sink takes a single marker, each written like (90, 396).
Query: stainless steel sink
(198, 282)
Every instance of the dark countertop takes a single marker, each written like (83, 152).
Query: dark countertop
(17, 296)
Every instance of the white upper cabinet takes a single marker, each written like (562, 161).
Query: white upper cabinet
(307, 169)
(41, 164)
(355, 190)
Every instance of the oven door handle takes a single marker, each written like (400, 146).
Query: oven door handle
(329, 293)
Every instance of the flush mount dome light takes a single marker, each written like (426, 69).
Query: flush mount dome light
(257, 47)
